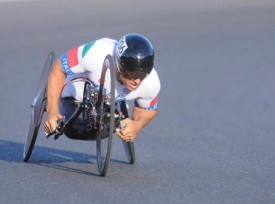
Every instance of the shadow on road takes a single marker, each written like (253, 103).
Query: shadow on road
(48, 157)
(13, 151)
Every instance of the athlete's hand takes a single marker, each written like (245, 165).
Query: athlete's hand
(129, 130)
(51, 122)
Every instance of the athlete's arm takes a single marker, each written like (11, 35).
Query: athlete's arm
(141, 117)
(55, 84)
(69, 63)
(146, 107)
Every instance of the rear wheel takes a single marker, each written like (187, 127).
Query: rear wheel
(38, 108)
(106, 111)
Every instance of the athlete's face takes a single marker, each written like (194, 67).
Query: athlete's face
(131, 80)
(130, 84)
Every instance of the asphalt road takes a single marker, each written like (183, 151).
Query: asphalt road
(213, 140)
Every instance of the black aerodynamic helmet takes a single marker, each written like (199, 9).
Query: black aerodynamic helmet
(133, 53)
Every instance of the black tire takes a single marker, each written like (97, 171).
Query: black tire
(130, 151)
(38, 108)
(128, 146)
(106, 118)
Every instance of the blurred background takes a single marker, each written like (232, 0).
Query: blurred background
(213, 139)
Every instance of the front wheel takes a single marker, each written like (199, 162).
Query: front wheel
(130, 151)
(128, 146)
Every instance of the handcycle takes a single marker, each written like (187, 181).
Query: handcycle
(99, 110)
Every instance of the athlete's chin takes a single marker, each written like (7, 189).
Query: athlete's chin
(132, 88)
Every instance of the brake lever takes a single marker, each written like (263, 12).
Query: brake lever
(59, 129)
(121, 127)
(52, 133)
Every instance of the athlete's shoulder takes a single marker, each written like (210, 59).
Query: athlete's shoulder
(104, 44)
(151, 84)
(106, 41)
(97, 47)
(148, 92)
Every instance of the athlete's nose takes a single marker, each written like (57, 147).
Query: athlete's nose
(136, 81)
